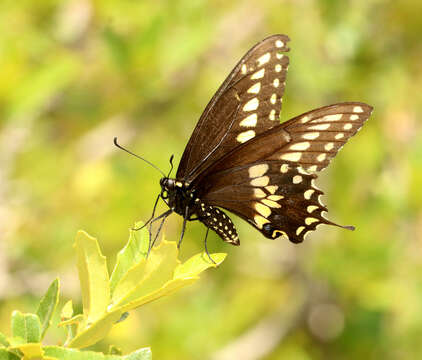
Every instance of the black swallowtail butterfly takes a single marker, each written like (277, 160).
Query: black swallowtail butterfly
(241, 159)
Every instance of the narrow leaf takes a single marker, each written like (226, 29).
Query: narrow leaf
(96, 332)
(62, 353)
(167, 289)
(93, 276)
(48, 305)
(67, 310)
(7, 355)
(26, 326)
(32, 350)
(149, 276)
(3, 340)
(134, 251)
(197, 264)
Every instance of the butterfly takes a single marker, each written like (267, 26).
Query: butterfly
(241, 159)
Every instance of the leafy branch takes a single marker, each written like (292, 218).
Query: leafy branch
(135, 281)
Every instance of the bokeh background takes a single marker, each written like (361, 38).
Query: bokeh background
(76, 73)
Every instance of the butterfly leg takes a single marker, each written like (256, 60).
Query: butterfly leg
(185, 218)
(206, 248)
(152, 216)
(162, 216)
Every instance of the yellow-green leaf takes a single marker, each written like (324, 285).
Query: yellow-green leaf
(59, 352)
(168, 288)
(67, 310)
(48, 305)
(97, 331)
(7, 355)
(149, 275)
(26, 327)
(197, 264)
(93, 276)
(134, 251)
(31, 351)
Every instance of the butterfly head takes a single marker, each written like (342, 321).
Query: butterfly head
(167, 187)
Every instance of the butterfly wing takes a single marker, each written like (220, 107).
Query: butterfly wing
(267, 180)
(247, 104)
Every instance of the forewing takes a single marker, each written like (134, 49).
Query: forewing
(247, 104)
(274, 197)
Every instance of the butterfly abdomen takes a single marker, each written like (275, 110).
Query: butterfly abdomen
(218, 221)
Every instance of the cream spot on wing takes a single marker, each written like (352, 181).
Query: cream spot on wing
(275, 197)
(278, 68)
(310, 220)
(272, 115)
(294, 156)
(249, 121)
(273, 98)
(339, 136)
(300, 146)
(333, 117)
(320, 127)
(260, 221)
(358, 109)
(329, 146)
(251, 105)
(311, 208)
(276, 83)
(279, 44)
(284, 168)
(282, 233)
(304, 119)
(347, 126)
(279, 55)
(299, 230)
(271, 188)
(354, 117)
(258, 193)
(310, 136)
(297, 179)
(245, 136)
(321, 157)
(312, 168)
(261, 181)
(265, 211)
(258, 75)
(258, 170)
(264, 59)
(271, 203)
(308, 194)
(254, 89)
(244, 69)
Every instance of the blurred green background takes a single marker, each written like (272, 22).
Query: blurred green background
(76, 73)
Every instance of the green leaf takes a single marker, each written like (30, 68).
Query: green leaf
(7, 355)
(97, 331)
(93, 276)
(32, 350)
(168, 288)
(62, 353)
(134, 251)
(48, 305)
(197, 264)
(71, 323)
(149, 275)
(3, 340)
(67, 310)
(26, 327)
(114, 350)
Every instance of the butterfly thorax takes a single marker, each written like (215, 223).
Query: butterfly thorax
(182, 200)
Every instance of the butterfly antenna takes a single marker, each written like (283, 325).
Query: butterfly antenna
(171, 165)
(139, 157)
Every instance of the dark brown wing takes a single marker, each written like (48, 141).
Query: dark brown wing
(267, 182)
(247, 104)
(274, 197)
